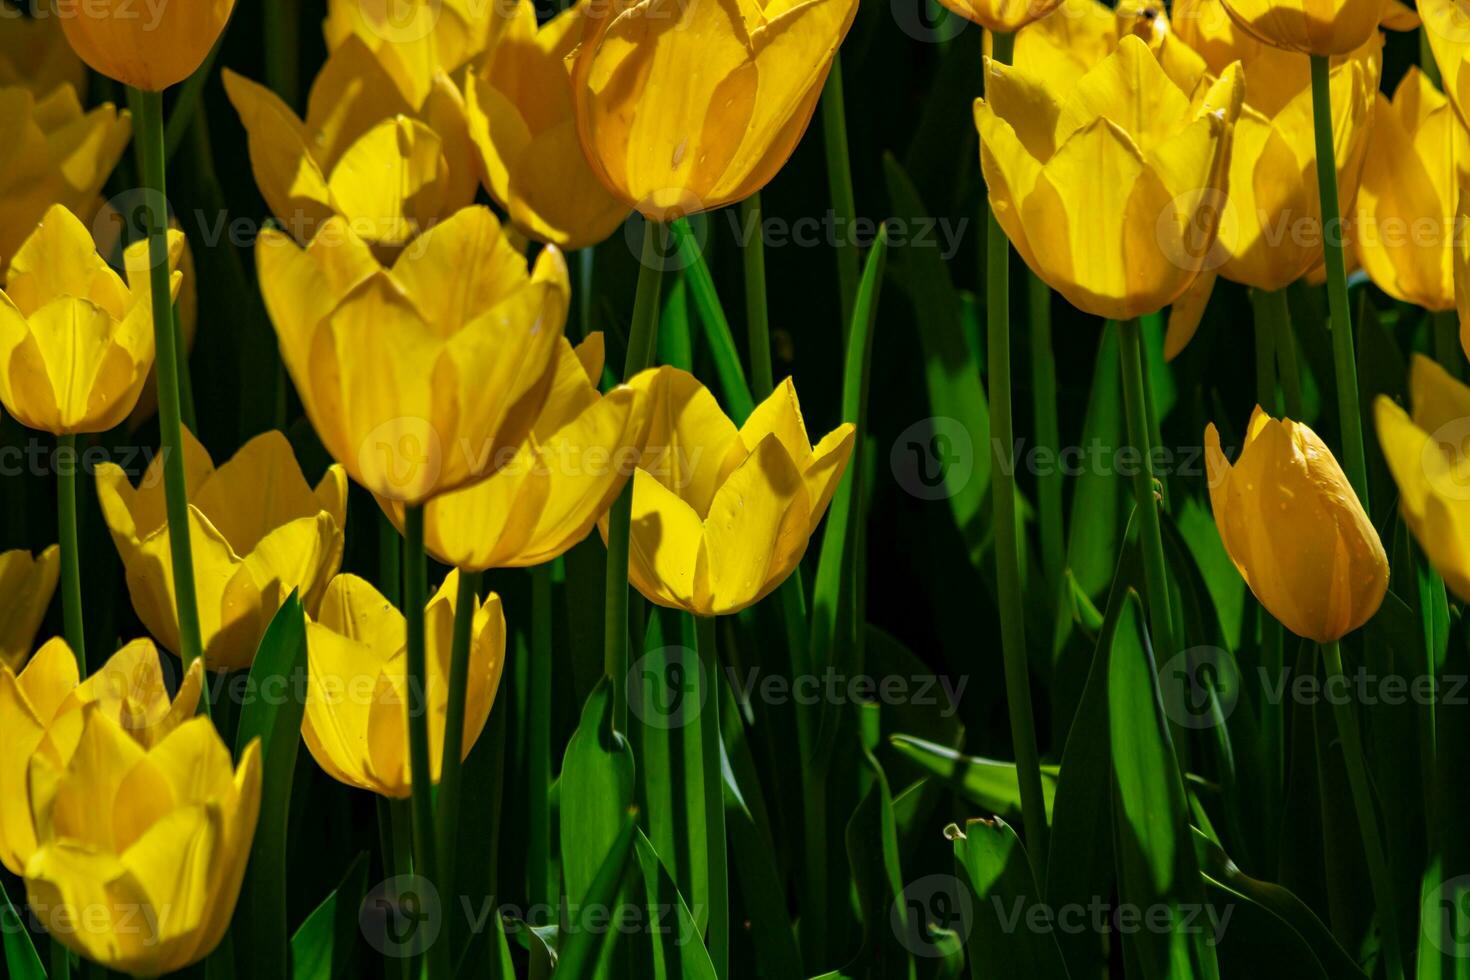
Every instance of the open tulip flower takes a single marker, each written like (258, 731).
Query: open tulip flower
(564, 477)
(1295, 530)
(258, 530)
(1063, 47)
(1109, 190)
(689, 105)
(358, 696)
(141, 851)
(148, 49)
(721, 516)
(1310, 27)
(523, 121)
(76, 342)
(47, 705)
(422, 378)
(418, 40)
(27, 583)
(373, 149)
(34, 52)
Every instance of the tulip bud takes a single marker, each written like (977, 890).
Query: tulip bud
(149, 47)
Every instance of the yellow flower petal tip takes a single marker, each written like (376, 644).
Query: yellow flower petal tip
(687, 107)
(1295, 530)
(721, 516)
(424, 377)
(27, 582)
(356, 723)
(258, 529)
(151, 46)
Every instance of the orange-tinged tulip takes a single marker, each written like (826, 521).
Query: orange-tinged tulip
(1295, 530)
(45, 703)
(141, 851)
(258, 531)
(147, 46)
(34, 52)
(27, 584)
(721, 516)
(523, 121)
(583, 449)
(76, 342)
(1110, 189)
(689, 105)
(358, 696)
(422, 378)
(372, 149)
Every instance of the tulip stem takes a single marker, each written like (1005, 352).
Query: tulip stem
(538, 743)
(839, 180)
(1048, 433)
(642, 337)
(1344, 360)
(1352, 756)
(415, 590)
(71, 556)
(757, 316)
(451, 768)
(1151, 537)
(714, 797)
(1278, 312)
(1447, 349)
(149, 135)
(1265, 354)
(60, 961)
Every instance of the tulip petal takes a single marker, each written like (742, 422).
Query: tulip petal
(28, 585)
(666, 544)
(290, 180)
(391, 183)
(350, 95)
(1128, 88)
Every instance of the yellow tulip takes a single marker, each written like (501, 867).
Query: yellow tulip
(721, 516)
(76, 342)
(55, 154)
(418, 40)
(258, 531)
(1295, 530)
(141, 851)
(390, 160)
(149, 47)
(1109, 190)
(1067, 44)
(422, 378)
(1426, 454)
(44, 703)
(27, 584)
(522, 119)
(34, 52)
(1447, 30)
(356, 723)
(1004, 16)
(689, 106)
(1404, 232)
(1310, 27)
(563, 478)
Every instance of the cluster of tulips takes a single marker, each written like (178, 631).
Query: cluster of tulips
(1133, 157)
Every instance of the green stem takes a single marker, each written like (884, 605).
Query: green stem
(1344, 361)
(1447, 349)
(282, 34)
(1151, 538)
(1007, 547)
(642, 337)
(1352, 756)
(714, 799)
(148, 126)
(415, 591)
(1265, 354)
(538, 747)
(451, 765)
(71, 555)
(390, 561)
(757, 314)
(839, 180)
(401, 833)
(1278, 312)
(1048, 433)
(60, 961)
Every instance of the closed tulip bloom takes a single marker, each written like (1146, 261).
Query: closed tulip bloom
(422, 378)
(54, 154)
(1426, 453)
(141, 851)
(1005, 16)
(34, 52)
(419, 40)
(27, 583)
(721, 516)
(1295, 530)
(1110, 193)
(149, 48)
(46, 703)
(258, 531)
(564, 477)
(372, 149)
(1064, 46)
(524, 124)
(76, 342)
(356, 723)
(689, 105)
(1312, 27)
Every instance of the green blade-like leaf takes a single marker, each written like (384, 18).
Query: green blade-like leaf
(596, 788)
(999, 873)
(986, 783)
(21, 961)
(761, 888)
(728, 369)
(581, 950)
(322, 947)
(675, 952)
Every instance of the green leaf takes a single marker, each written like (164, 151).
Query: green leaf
(728, 369)
(1005, 891)
(674, 949)
(323, 946)
(596, 794)
(581, 947)
(272, 715)
(761, 888)
(21, 961)
(877, 877)
(1226, 588)
(987, 783)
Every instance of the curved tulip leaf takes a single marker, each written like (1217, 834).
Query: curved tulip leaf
(761, 887)
(999, 873)
(322, 947)
(674, 950)
(987, 783)
(675, 343)
(596, 787)
(581, 950)
(890, 927)
(717, 333)
(21, 961)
